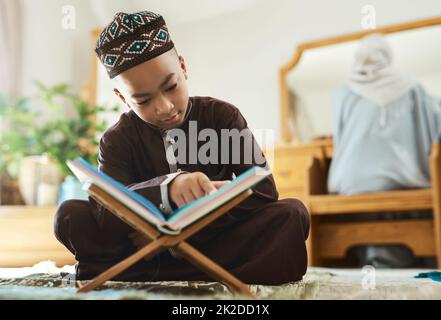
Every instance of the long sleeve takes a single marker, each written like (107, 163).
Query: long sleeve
(266, 190)
(115, 160)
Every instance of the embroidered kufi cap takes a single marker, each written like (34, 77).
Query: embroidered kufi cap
(131, 39)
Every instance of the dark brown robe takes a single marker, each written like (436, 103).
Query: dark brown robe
(261, 241)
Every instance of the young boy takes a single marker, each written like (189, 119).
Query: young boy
(261, 241)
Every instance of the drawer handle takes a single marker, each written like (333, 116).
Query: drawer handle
(284, 173)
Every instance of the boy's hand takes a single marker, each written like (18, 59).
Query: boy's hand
(191, 186)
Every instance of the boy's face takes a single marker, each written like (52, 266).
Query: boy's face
(156, 90)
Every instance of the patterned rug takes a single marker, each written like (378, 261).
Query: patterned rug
(46, 281)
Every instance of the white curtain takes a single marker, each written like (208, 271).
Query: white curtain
(10, 47)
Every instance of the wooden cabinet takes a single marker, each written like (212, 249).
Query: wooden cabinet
(27, 237)
(290, 164)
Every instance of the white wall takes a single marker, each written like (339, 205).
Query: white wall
(52, 54)
(237, 57)
(234, 56)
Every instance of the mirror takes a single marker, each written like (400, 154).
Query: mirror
(318, 68)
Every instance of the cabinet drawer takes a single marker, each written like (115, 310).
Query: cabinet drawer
(289, 173)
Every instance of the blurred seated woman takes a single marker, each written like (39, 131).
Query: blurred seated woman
(384, 126)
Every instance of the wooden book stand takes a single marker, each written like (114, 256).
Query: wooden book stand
(161, 242)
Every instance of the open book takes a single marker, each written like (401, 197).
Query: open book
(184, 216)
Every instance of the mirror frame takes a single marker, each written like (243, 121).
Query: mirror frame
(287, 136)
(94, 68)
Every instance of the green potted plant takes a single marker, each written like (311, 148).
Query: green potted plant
(16, 142)
(67, 138)
(28, 141)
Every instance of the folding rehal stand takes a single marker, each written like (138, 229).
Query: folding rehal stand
(161, 242)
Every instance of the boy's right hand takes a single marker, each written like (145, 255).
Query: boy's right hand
(187, 187)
